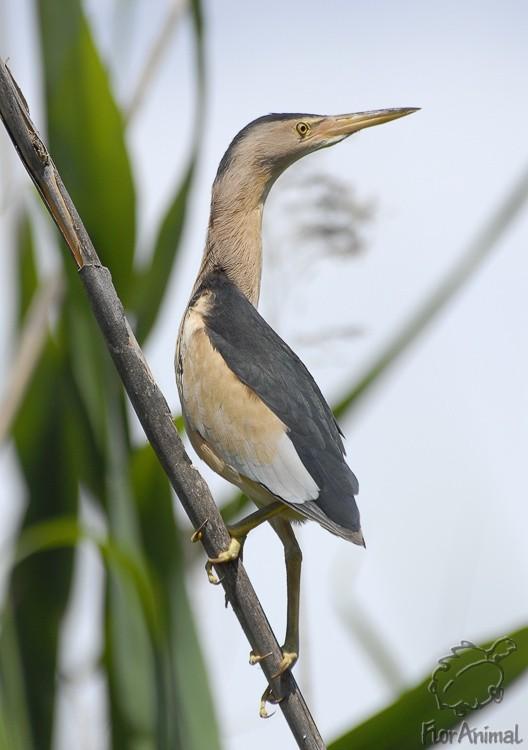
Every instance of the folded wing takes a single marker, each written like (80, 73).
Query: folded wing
(267, 418)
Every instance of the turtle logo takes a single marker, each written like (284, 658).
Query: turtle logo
(470, 677)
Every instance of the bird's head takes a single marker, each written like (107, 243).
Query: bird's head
(268, 145)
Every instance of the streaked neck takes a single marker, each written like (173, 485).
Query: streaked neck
(234, 238)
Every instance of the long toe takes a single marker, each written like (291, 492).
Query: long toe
(234, 551)
(211, 574)
(256, 658)
(267, 697)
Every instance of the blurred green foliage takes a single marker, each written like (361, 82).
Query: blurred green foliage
(72, 434)
(407, 723)
(72, 438)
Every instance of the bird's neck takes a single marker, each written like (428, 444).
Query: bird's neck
(234, 238)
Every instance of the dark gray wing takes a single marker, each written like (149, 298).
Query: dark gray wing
(267, 365)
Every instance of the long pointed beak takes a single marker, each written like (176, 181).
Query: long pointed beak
(343, 125)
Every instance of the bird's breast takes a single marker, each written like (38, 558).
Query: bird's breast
(228, 424)
(217, 406)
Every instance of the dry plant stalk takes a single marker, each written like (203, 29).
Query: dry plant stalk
(151, 407)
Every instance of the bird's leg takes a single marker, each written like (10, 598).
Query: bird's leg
(238, 533)
(293, 559)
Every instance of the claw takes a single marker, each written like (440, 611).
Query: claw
(267, 697)
(196, 537)
(211, 575)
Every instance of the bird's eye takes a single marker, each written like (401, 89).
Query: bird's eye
(303, 129)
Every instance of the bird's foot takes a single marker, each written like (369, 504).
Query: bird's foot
(288, 660)
(231, 553)
(267, 697)
(213, 578)
(256, 659)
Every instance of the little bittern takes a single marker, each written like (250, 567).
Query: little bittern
(252, 410)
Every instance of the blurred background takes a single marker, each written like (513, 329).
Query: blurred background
(395, 265)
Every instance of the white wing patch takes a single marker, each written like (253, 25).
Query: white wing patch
(233, 421)
(285, 475)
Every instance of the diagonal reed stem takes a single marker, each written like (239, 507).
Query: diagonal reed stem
(151, 406)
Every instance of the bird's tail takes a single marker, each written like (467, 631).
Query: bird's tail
(335, 507)
(312, 511)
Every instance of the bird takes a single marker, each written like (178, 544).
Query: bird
(251, 409)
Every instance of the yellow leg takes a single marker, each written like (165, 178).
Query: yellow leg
(247, 524)
(238, 533)
(293, 559)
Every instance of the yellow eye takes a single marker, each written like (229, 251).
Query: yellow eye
(302, 128)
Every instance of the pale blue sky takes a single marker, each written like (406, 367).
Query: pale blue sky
(440, 448)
